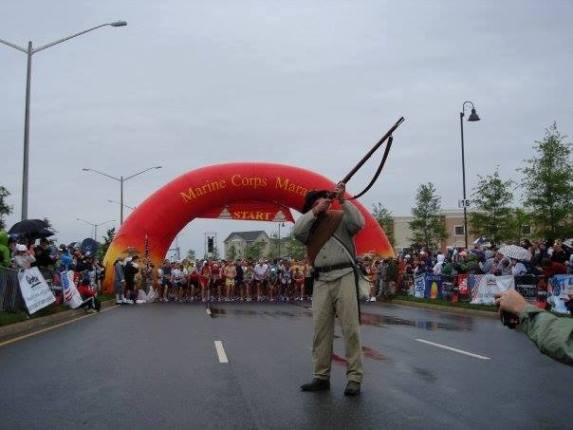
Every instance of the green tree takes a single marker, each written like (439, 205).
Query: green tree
(253, 251)
(518, 221)
(294, 248)
(232, 253)
(107, 239)
(492, 198)
(385, 219)
(274, 246)
(191, 254)
(278, 248)
(5, 208)
(428, 225)
(548, 184)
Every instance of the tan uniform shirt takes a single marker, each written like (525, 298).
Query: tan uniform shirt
(333, 252)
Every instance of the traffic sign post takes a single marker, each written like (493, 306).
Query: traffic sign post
(464, 203)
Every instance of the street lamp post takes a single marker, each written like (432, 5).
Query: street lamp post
(281, 224)
(95, 226)
(472, 118)
(29, 51)
(121, 181)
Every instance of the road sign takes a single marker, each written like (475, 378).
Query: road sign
(463, 203)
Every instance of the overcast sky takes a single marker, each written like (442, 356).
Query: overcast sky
(309, 83)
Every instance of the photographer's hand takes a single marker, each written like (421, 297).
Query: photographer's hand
(511, 301)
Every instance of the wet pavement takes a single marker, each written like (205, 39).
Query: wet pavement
(156, 366)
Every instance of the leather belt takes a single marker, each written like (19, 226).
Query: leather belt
(324, 269)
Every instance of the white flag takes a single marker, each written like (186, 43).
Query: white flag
(489, 286)
(72, 297)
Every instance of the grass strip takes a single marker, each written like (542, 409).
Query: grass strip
(19, 316)
(440, 302)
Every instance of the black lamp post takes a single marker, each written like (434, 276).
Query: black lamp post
(472, 118)
(281, 224)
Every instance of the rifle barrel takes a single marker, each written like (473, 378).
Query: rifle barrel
(373, 150)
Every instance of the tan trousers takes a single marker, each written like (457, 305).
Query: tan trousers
(329, 300)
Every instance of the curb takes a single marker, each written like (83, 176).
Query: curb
(459, 311)
(11, 331)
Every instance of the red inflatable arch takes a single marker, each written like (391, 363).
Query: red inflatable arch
(172, 207)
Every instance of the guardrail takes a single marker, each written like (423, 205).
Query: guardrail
(541, 291)
(10, 297)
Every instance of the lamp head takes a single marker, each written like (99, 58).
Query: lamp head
(118, 23)
(473, 116)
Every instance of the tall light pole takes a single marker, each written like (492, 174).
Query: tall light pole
(121, 180)
(281, 224)
(472, 118)
(95, 226)
(29, 51)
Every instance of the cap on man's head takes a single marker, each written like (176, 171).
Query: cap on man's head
(21, 248)
(311, 198)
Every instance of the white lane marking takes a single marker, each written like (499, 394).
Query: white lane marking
(459, 351)
(221, 352)
(16, 339)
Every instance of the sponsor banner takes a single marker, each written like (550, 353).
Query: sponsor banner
(72, 297)
(35, 290)
(250, 211)
(561, 288)
(433, 287)
(419, 286)
(449, 291)
(485, 287)
(472, 282)
(463, 287)
(527, 286)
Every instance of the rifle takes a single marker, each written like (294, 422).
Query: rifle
(387, 137)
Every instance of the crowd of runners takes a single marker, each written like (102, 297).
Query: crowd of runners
(278, 280)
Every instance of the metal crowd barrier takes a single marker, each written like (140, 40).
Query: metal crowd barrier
(459, 287)
(10, 297)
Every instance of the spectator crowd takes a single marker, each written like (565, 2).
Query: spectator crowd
(137, 280)
(53, 262)
(390, 276)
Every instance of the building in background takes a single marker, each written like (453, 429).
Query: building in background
(454, 220)
(241, 244)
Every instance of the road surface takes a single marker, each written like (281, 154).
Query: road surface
(239, 366)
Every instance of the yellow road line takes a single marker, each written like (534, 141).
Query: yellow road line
(16, 339)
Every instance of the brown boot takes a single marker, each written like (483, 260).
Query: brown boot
(352, 388)
(316, 385)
